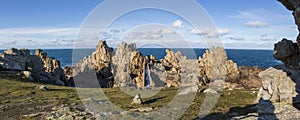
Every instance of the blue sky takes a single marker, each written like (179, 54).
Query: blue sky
(247, 24)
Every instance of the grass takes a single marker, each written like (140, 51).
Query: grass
(15, 90)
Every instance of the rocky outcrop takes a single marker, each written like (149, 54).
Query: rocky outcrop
(102, 60)
(171, 62)
(277, 86)
(20, 60)
(180, 70)
(157, 74)
(121, 62)
(53, 71)
(38, 67)
(215, 65)
(287, 52)
(137, 68)
(98, 65)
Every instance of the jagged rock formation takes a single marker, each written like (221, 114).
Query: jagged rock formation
(137, 68)
(171, 63)
(98, 64)
(214, 65)
(52, 67)
(102, 60)
(120, 64)
(287, 52)
(35, 67)
(180, 70)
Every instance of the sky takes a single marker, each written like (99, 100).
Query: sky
(55, 24)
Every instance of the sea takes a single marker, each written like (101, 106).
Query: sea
(259, 58)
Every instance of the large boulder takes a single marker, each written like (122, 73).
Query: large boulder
(277, 86)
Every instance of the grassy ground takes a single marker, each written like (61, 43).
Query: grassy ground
(18, 97)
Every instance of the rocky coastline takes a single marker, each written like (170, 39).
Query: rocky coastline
(128, 67)
(278, 87)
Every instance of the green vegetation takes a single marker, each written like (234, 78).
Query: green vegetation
(15, 91)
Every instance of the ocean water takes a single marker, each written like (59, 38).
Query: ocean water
(259, 58)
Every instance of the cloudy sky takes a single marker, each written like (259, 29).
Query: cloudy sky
(247, 24)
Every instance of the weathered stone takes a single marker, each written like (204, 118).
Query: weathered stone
(14, 51)
(137, 68)
(137, 99)
(171, 61)
(215, 65)
(32, 65)
(277, 86)
(121, 62)
(27, 74)
(287, 52)
(98, 66)
(41, 87)
(52, 66)
(157, 75)
(102, 59)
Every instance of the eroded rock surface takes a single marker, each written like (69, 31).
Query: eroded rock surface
(214, 65)
(38, 67)
(121, 62)
(137, 68)
(277, 86)
(98, 66)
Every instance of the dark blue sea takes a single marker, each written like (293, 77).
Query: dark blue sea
(260, 58)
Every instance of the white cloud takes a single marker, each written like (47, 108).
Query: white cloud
(30, 31)
(266, 37)
(246, 15)
(177, 24)
(210, 33)
(236, 38)
(257, 24)
(143, 35)
(9, 43)
(149, 34)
